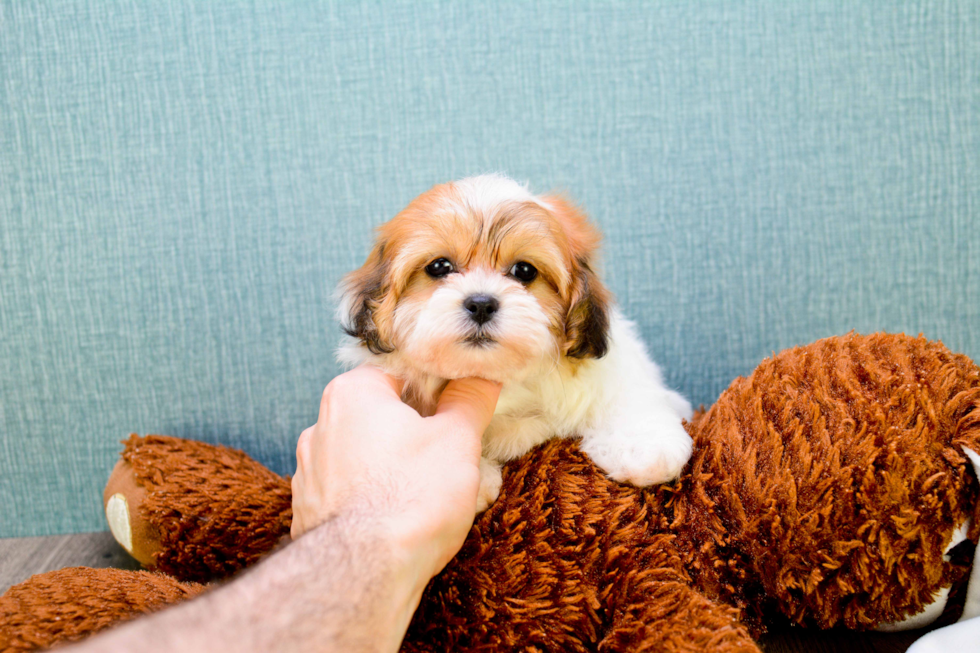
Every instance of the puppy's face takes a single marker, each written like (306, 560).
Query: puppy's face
(479, 278)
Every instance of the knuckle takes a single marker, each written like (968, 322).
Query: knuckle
(339, 387)
(305, 437)
(303, 449)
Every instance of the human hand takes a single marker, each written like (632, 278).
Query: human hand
(373, 460)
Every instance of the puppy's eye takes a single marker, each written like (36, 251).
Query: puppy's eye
(439, 268)
(524, 272)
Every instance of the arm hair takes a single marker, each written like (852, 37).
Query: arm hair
(340, 587)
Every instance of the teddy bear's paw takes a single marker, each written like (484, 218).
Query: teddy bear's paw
(642, 452)
(490, 482)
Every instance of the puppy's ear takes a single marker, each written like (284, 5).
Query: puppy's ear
(587, 320)
(361, 293)
(587, 324)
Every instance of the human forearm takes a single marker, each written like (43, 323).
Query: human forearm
(346, 585)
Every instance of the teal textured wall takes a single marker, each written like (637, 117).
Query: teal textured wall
(183, 183)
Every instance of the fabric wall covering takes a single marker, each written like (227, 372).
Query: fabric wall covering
(183, 183)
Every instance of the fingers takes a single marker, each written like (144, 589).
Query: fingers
(471, 401)
(361, 382)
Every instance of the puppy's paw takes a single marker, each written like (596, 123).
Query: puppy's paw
(490, 482)
(641, 452)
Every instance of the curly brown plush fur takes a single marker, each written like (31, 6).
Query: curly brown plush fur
(830, 481)
(569, 560)
(69, 604)
(824, 489)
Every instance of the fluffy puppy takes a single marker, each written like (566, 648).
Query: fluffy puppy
(482, 278)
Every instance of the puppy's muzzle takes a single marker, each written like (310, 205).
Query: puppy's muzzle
(481, 308)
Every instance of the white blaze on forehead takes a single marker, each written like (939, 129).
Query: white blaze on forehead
(486, 193)
(475, 199)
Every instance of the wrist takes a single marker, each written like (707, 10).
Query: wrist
(423, 544)
(417, 540)
(394, 556)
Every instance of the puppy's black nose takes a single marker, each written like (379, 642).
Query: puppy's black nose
(481, 307)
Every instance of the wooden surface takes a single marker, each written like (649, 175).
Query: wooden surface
(20, 558)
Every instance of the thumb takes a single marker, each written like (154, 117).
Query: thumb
(469, 400)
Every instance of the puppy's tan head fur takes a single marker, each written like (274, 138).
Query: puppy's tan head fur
(480, 278)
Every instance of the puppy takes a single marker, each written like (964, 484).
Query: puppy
(482, 278)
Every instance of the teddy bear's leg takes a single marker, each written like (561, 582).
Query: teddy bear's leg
(671, 616)
(70, 604)
(193, 510)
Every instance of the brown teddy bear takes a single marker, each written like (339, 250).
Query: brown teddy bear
(831, 487)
